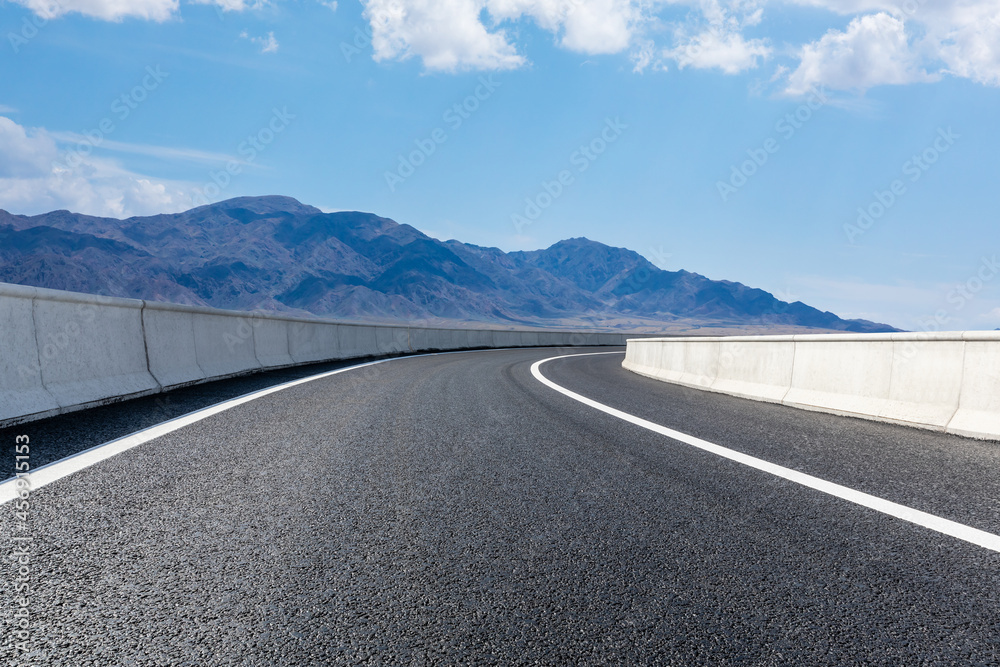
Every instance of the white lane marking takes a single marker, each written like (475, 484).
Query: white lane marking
(56, 470)
(936, 523)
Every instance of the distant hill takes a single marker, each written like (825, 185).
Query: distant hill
(274, 253)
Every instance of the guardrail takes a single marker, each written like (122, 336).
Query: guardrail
(941, 381)
(63, 351)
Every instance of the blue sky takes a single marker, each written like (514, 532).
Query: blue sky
(742, 140)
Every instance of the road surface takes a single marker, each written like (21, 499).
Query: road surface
(453, 509)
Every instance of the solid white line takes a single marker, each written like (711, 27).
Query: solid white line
(64, 467)
(936, 523)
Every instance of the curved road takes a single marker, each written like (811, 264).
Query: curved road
(452, 509)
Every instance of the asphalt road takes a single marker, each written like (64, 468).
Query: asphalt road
(452, 510)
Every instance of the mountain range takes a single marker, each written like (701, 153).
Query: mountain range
(277, 254)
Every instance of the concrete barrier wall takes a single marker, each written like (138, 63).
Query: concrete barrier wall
(224, 345)
(91, 350)
(392, 340)
(979, 400)
(941, 381)
(842, 376)
(309, 342)
(754, 369)
(505, 339)
(170, 346)
(481, 338)
(926, 381)
(452, 340)
(21, 389)
(425, 340)
(270, 342)
(63, 351)
(357, 342)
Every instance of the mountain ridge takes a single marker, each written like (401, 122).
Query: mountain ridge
(274, 253)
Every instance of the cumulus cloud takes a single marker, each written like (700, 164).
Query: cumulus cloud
(585, 26)
(234, 5)
(718, 47)
(23, 152)
(873, 51)
(715, 38)
(116, 10)
(108, 10)
(957, 37)
(35, 176)
(469, 34)
(446, 34)
(886, 42)
(966, 36)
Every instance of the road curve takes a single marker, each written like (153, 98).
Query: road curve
(452, 509)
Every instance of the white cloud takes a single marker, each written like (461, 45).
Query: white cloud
(116, 10)
(453, 35)
(161, 152)
(966, 36)
(446, 34)
(267, 44)
(887, 41)
(873, 51)
(108, 10)
(469, 34)
(23, 152)
(234, 5)
(715, 39)
(717, 47)
(957, 37)
(646, 56)
(35, 177)
(585, 26)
